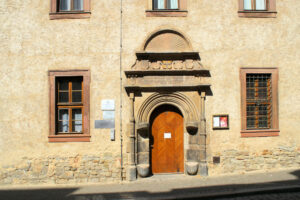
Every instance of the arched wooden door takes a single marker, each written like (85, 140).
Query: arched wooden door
(167, 140)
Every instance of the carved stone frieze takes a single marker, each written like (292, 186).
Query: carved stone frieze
(188, 64)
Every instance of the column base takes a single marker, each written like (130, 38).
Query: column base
(203, 170)
(131, 173)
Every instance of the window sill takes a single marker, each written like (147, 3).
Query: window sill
(166, 13)
(259, 133)
(69, 138)
(257, 14)
(70, 15)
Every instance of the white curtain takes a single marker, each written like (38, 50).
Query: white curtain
(78, 4)
(247, 5)
(260, 5)
(161, 4)
(173, 4)
(65, 5)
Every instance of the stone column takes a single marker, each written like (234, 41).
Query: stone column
(203, 164)
(131, 170)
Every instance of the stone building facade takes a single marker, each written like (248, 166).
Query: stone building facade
(102, 91)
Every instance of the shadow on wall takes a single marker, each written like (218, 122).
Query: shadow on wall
(278, 190)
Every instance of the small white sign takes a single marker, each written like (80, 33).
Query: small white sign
(108, 104)
(108, 114)
(216, 122)
(167, 135)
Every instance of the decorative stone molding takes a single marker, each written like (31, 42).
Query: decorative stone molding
(185, 105)
(192, 127)
(187, 64)
(143, 170)
(192, 168)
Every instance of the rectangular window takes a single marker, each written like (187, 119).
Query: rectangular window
(255, 4)
(70, 5)
(70, 9)
(167, 8)
(69, 106)
(259, 102)
(257, 8)
(165, 4)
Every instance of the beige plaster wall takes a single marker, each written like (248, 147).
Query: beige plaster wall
(31, 44)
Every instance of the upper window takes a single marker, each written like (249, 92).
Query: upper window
(259, 102)
(257, 8)
(165, 4)
(70, 9)
(71, 5)
(255, 4)
(69, 106)
(166, 8)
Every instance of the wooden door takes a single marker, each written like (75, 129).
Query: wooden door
(167, 141)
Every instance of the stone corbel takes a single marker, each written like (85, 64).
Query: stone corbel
(143, 129)
(192, 127)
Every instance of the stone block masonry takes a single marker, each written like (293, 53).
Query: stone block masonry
(234, 161)
(63, 170)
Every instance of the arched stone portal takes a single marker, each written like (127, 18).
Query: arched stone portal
(167, 71)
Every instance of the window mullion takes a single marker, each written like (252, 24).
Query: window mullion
(70, 120)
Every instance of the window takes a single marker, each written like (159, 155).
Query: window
(257, 8)
(255, 4)
(259, 102)
(70, 9)
(165, 4)
(71, 5)
(167, 8)
(69, 106)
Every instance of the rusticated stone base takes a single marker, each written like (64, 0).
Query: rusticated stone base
(234, 161)
(63, 170)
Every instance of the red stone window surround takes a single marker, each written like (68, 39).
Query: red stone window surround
(57, 13)
(270, 11)
(180, 12)
(81, 133)
(251, 128)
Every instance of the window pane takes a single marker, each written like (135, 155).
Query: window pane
(159, 4)
(76, 96)
(63, 126)
(78, 4)
(173, 4)
(260, 5)
(63, 85)
(76, 114)
(77, 126)
(65, 5)
(76, 85)
(247, 5)
(63, 114)
(63, 97)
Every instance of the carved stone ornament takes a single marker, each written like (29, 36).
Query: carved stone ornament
(188, 64)
(192, 168)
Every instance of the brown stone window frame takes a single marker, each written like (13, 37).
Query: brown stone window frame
(270, 12)
(54, 136)
(274, 130)
(180, 12)
(56, 14)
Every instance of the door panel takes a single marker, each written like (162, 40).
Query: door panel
(167, 141)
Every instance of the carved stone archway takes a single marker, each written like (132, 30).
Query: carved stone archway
(172, 73)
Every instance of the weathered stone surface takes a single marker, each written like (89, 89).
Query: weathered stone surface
(63, 170)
